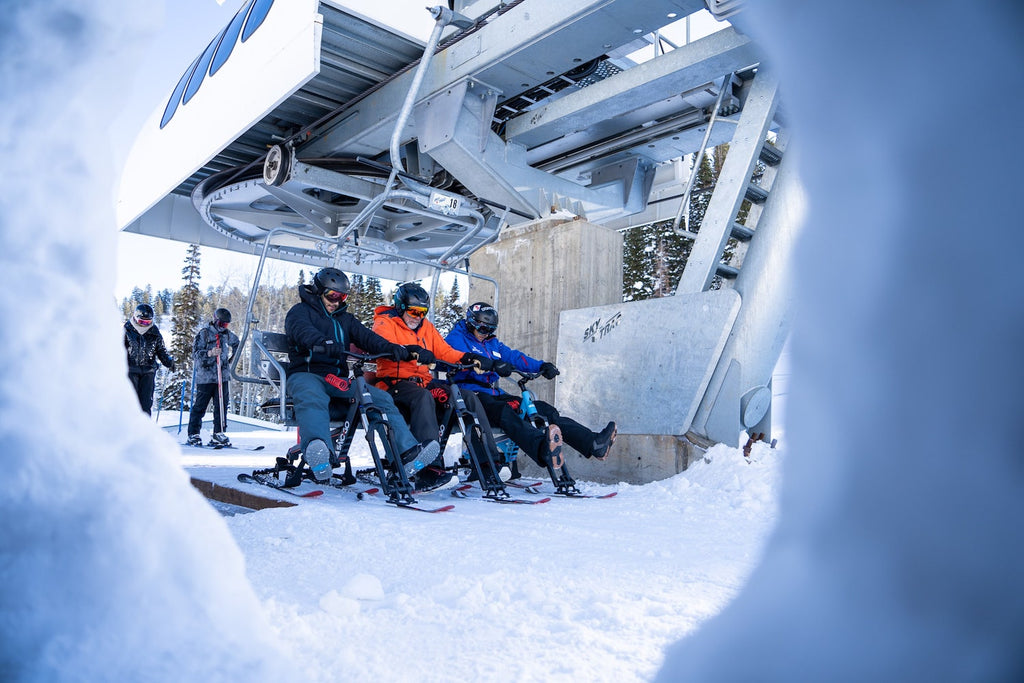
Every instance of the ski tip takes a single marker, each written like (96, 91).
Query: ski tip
(609, 495)
(444, 508)
(259, 448)
(244, 478)
(312, 494)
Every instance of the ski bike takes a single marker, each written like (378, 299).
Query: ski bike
(564, 484)
(474, 440)
(346, 413)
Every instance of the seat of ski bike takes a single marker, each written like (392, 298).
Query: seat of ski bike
(276, 344)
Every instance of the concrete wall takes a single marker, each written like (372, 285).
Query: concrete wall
(543, 268)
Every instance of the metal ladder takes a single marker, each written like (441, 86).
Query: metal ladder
(735, 184)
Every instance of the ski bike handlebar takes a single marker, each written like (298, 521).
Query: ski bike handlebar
(525, 378)
(455, 367)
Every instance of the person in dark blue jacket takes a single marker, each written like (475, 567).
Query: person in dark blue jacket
(319, 331)
(476, 334)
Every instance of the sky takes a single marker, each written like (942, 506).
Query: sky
(893, 551)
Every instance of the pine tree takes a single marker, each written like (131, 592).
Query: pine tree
(654, 256)
(374, 296)
(187, 311)
(357, 304)
(448, 309)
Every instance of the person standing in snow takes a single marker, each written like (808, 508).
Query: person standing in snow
(410, 383)
(144, 344)
(210, 347)
(319, 331)
(476, 334)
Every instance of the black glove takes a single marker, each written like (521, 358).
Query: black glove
(336, 351)
(423, 356)
(483, 362)
(548, 370)
(400, 353)
(503, 368)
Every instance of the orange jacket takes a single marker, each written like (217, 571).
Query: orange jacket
(388, 323)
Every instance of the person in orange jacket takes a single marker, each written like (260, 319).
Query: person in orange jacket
(410, 383)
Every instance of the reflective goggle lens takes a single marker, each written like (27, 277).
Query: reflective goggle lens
(486, 329)
(145, 322)
(333, 295)
(222, 324)
(416, 311)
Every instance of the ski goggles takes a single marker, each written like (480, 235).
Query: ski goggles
(334, 295)
(416, 311)
(223, 324)
(145, 322)
(485, 329)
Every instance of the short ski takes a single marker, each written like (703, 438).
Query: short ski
(249, 479)
(463, 492)
(515, 483)
(443, 508)
(567, 494)
(234, 448)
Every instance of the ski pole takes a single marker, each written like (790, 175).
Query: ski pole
(220, 390)
(181, 405)
(160, 402)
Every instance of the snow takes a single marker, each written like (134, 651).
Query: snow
(566, 590)
(896, 554)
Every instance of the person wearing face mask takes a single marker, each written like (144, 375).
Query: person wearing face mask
(143, 344)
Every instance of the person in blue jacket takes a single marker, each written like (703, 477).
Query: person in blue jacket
(476, 334)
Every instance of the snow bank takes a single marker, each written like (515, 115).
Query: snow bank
(898, 552)
(112, 567)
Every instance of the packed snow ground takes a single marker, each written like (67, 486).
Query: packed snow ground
(582, 589)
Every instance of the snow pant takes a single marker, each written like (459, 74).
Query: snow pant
(144, 383)
(503, 410)
(311, 396)
(204, 393)
(425, 406)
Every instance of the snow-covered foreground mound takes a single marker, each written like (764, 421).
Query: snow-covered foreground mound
(570, 590)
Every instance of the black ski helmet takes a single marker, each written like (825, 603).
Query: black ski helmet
(410, 294)
(330, 278)
(222, 315)
(482, 316)
(144, 312)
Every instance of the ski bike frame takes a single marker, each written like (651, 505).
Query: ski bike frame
(562, 480)
(490, 482)
(375, 422)
(359, 409)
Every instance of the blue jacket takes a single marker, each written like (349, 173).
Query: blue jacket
(486, 382)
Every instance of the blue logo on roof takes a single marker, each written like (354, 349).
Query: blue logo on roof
(245, 23)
